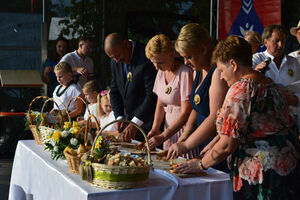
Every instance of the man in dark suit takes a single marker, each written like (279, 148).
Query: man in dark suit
(132, 82)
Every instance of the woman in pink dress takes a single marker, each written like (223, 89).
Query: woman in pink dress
(172, 86)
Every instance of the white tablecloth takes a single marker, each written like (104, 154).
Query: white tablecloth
(36, 176)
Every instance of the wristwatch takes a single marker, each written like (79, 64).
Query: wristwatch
(201, 165)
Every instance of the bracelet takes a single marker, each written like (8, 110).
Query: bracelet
(201, 165)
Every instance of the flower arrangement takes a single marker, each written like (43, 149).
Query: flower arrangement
(101, 148)
(45, 119)
(33, 118)
(70, 137)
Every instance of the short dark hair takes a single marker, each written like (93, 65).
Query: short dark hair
(85, 38)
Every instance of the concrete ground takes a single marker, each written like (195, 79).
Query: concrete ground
(5, 173)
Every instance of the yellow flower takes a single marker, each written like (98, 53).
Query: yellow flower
(56, 135)
(98, 146)
(67, 125)
(75, 124)
(99, 140)
(67, 148)
(32, 115)
(75, 130)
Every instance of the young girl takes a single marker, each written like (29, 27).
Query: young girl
(108, 115)
(66, 90)
(90, 91)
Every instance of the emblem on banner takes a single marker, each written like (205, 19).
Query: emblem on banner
(247, 19)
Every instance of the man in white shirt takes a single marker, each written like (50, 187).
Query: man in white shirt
(283, 69)
(295, 31)
(82, 65)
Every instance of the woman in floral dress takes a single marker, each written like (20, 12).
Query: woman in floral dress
(254, 126)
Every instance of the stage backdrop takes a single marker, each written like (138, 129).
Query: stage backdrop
(238, 16)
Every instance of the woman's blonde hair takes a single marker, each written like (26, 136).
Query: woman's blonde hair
(255, 36)
(158, 44)
(91, 86)
(63, 67)
(191, 37)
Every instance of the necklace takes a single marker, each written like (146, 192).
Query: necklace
(63, 91)
(199, 82)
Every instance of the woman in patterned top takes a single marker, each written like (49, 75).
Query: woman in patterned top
(254, 126)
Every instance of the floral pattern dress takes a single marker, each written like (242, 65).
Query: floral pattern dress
(263, 166)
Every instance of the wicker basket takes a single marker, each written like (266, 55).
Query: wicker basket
(81, 99)
(117, 177)
(45, 131)
(74, 161)
(35, 132)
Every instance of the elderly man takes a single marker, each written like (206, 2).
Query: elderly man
(132, 82)
(82, 65)
(282, 69)
(295, 31)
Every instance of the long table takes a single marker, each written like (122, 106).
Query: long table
(35, 176)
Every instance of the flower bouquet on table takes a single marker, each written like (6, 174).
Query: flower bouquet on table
(101, 149)
(60, 140)
(74, 156)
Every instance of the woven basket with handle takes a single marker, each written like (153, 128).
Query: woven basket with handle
(118, 177)
(81, 99)
(74, 161)
(45, 131)
(35, 132)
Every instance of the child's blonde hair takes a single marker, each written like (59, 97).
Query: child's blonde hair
(63, 67)
(91, 86)
(104, 99)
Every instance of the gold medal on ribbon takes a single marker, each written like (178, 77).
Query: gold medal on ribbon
(168, 90)
(291, 72)
(129, 76)
(197, 99)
